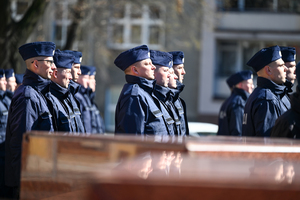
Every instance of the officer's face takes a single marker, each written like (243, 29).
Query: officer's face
(278, 71)
(179, 71)
(45, 67)
(84, 80)
(75, 72)
(11, 84)
(145, 69)
(162, 75)
(92, 83)
(172, 79)
(63, 77)
(3, 83)
(247, 85)
(291, 71)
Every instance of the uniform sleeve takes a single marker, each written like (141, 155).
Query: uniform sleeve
(236, 120)
(264, 116)
(281, 128)
(130, 117)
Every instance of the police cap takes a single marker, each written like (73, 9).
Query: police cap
(63, 60)
(238, 77)
(9, 73)
(2, 73)
(161, 58)
(19, 78)
(36, 49)
(178, 57)
(85, 70)
(288, 54)
(76, 54)
(263, 57)
(131, 56)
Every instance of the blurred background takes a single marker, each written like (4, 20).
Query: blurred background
(218, 37)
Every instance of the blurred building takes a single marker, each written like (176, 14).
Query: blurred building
(217, 37)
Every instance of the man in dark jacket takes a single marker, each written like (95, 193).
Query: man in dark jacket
(232, 110)
(136, 111)
(11, 83)
(97, 121)
(289, 58)
(163, 61)
(83, 97)
(66, 114)
(288, 124)
(29, 107)
(179, 103)
(268, 100)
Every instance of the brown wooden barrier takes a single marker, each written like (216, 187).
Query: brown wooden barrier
(58, 165)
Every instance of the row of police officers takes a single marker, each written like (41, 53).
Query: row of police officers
(57, 94)
(271, 109)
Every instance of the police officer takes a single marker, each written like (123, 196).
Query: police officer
(66, 114)
(97, 121)
(136, 111)
(3, 121)
(83, 97)
(268, 100)
(29, 109)
(178, 66)
(75, 71)
(232, 110)
(11, 83)
(163, 61)
(288, 124)
(19, 79)
(289, 58)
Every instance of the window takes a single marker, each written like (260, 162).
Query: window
(18, 8)
(232, 56)
(136, 24)
(259, 5)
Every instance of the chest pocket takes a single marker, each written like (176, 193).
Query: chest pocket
(45, 121)
(155, 124)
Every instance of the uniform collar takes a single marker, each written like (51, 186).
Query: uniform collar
(146, 84)
(241, 93)
(58, 91)
(9, 93)
(289, 86)
(180, 86)
(162, 93)
(74, 87)
(295, 100)
(2, 94)
(35, 81)
(84, 90)
(275, 88)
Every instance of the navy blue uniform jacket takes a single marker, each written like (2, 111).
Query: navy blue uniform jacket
(98, 125)
(66, 114)
(160, 95)
(136, 111)
(288, 124)
(28, 111)
(266, 103)
(231, 113)
(180, 106)
(85, 106)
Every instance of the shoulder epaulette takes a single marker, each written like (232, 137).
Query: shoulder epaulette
(135, 90)
(28, 92)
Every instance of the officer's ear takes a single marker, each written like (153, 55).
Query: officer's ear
(134, 70)
(55, 73)
(268, 70)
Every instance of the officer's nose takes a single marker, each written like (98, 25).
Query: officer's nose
(183, 71)
(175, 77)
(153, 67)
(53, 67)
(285, 68)
(79, 72)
